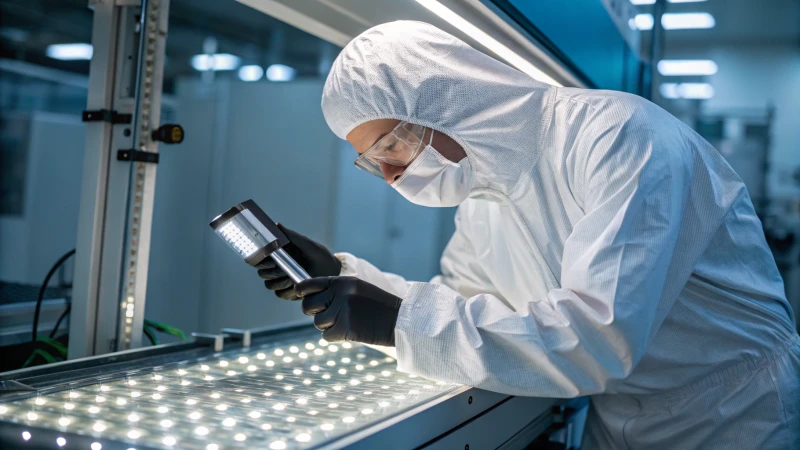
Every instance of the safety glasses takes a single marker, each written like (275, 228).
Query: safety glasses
(398, 148)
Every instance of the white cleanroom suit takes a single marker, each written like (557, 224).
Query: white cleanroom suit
(605, 249)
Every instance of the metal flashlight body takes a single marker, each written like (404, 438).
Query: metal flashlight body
(248, 230)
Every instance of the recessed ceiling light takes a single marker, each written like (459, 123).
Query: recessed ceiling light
(674, 21)
(217, 61)
(70, 52)
(686, 67)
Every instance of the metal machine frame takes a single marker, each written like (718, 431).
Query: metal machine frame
(114, 223)
(456, 419)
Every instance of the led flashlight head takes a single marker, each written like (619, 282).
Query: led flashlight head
(248, 230)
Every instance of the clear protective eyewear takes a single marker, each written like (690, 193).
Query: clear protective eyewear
(398, 148)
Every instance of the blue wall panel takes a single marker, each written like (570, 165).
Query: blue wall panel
(585, 33)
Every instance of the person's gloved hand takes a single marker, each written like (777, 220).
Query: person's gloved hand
(350, 309)
(317, 260)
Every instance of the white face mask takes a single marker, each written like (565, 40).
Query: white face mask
(433, 180)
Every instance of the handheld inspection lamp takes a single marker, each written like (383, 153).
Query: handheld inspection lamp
(248, 230)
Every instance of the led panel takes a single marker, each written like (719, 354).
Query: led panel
(285, 395)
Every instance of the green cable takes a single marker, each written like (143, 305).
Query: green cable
(166, 329)
(150, 335)
(47, 357)
(60, 348)
(57, 346)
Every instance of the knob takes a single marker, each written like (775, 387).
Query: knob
(169, 134)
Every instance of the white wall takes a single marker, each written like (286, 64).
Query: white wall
(753, 76)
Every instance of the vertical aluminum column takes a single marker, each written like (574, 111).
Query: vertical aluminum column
(117, 196)
(143, 175)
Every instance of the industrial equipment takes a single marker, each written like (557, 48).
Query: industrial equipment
(270, 389)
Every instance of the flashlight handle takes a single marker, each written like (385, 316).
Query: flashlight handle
(289, 265)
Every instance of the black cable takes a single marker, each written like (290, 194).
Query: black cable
(58, 322)
(42, 289)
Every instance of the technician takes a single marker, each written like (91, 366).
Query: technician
(602, 248)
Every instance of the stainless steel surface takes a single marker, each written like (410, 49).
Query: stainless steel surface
(289, 265)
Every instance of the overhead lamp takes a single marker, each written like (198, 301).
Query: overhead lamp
(674, 21)
(250, 73)
(691, 91)
(687, 21)
(487, 41)
(650, 2)
(280, 72)
(215, 62)
(686, 67)
(70, 52)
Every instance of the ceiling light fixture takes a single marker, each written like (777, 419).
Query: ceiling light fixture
(686, 67)
(215, 62)
(674, 21)
(280, 72)
(70, 52)
(487, 41)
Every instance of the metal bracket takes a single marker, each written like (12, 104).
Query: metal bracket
(217, 341)
(238, 335)
(106, 115)
(136, 155)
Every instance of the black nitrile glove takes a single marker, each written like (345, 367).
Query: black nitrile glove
(349, 309)
(314, 257)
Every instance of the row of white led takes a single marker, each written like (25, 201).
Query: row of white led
(200, 430)
(100, 426)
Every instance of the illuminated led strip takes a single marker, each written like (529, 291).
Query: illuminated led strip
(141, 172)
(487, 41)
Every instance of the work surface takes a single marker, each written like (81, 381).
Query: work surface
(289, 394)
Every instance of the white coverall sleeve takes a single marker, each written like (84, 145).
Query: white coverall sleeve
(596, 326)
(359, 268)
(463, 275)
